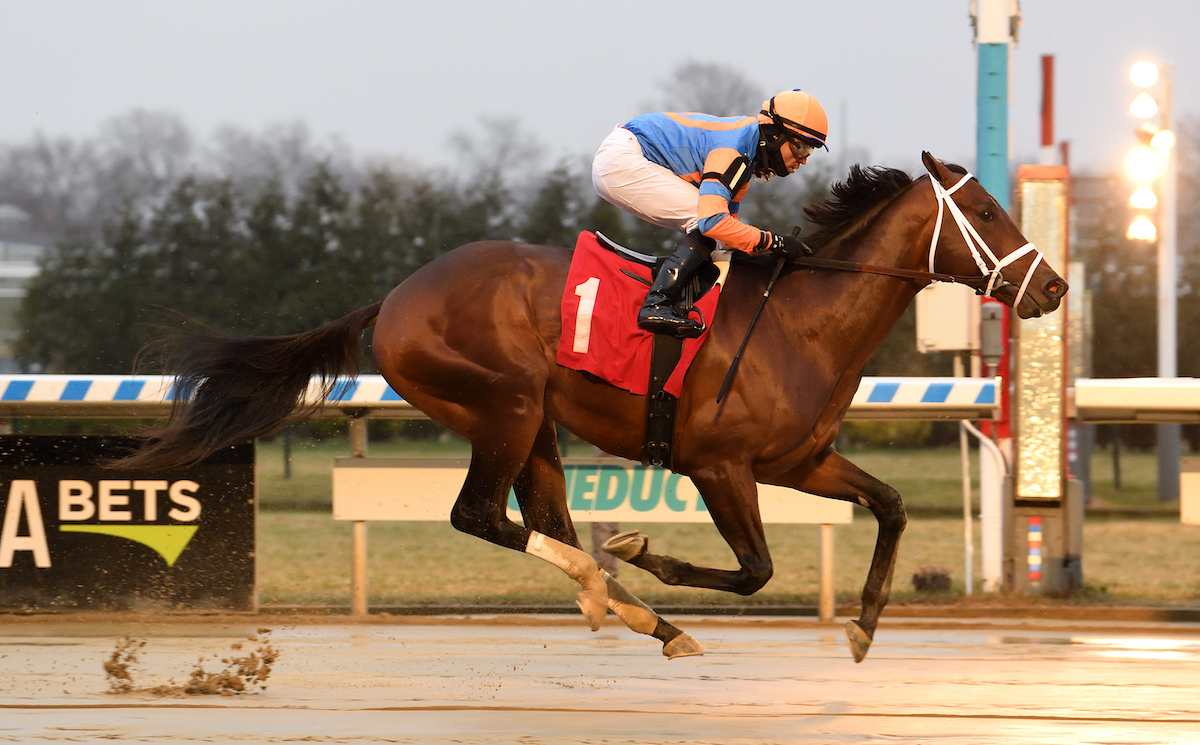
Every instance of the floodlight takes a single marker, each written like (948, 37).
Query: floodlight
(1163, 140)
(1144, 106)
(1143, 199)
(1142, 164)
(1143, 74)
(1142, 229)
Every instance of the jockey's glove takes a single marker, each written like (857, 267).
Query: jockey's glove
(788, 247)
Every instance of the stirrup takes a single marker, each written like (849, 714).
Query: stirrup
(662, 320)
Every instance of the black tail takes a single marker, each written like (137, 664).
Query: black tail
(232, 389)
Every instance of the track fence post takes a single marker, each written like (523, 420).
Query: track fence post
(358, 582)
(825, 607)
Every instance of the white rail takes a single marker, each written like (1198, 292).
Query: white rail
(1137, 400)
(1092, 400)
(150, 396)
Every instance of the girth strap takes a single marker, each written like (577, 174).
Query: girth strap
(661, 407)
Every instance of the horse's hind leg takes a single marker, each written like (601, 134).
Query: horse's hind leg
(497, 459)
(541, 493)
(837, 478)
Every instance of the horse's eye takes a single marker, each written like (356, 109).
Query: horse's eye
(987, 216)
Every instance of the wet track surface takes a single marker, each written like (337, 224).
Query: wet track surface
(549, 680)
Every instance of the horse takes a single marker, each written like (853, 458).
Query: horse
(470, 339)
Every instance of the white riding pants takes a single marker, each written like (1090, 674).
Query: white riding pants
(624, 177)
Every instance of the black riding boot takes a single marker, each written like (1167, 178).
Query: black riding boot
(658, 312)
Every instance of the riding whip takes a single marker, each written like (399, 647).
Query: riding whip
(737, 358)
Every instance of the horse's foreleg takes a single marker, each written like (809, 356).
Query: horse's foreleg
(837, 478)
(732, 500)
(541, 494)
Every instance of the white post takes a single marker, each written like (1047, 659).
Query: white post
(358, 589)
(358, 570)
(992, 469)
(826, 608)
(968, 532)
(965, 449)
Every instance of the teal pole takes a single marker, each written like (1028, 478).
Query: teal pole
(991, 169)
(991, 147)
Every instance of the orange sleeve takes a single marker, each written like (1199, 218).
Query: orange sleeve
(717, 220)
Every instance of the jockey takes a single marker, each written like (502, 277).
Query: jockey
(689, 172)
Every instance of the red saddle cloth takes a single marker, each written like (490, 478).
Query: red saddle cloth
(599, 320)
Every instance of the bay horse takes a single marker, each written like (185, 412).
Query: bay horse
(470, 339)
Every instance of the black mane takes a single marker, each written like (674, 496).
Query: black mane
(852, 199)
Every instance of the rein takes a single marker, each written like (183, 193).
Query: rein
(979, 284)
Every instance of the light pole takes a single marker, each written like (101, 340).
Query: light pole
(996, 23)
(1152, 163)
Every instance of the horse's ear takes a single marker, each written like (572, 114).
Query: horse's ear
(937, 170)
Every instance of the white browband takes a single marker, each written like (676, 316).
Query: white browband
(977, 244)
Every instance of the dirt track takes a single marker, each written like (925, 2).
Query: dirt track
(549, 680)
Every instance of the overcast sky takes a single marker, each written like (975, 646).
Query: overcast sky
(396, 78)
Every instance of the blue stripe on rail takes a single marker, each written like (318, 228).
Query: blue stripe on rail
(883, 393)
(987, 394)
(76, 390)
(17, 390)
(390, 395)
(342, 390)
(937, 393)
(128, 390)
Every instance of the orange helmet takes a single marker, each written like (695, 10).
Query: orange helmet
(799, 114)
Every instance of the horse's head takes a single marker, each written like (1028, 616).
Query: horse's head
(974, 235)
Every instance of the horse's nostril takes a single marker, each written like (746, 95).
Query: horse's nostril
(1056, 288)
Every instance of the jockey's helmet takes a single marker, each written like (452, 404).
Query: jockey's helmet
(791, 115)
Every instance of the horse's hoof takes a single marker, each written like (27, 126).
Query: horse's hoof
(859, 641)
(593, 603)
(683, 645)
(627, 546)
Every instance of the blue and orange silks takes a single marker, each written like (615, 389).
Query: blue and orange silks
(695, 147)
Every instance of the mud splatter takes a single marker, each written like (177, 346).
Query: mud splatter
(118, 668)
(240, 674)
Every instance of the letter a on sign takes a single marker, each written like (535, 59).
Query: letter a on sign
(22, 496)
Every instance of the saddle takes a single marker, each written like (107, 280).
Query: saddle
(661, 407)
(706, 277)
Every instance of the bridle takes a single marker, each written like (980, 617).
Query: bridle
(976, 244)
(986, 284)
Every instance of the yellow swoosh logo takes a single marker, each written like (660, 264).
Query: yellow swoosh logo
(167, 540)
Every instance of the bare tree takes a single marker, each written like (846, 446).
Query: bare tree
(52, 180)
(498, 165)
(283, 156)
(710, 88)
(145, 153)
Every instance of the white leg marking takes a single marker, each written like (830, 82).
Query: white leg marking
(627, 607)
(579, 566)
